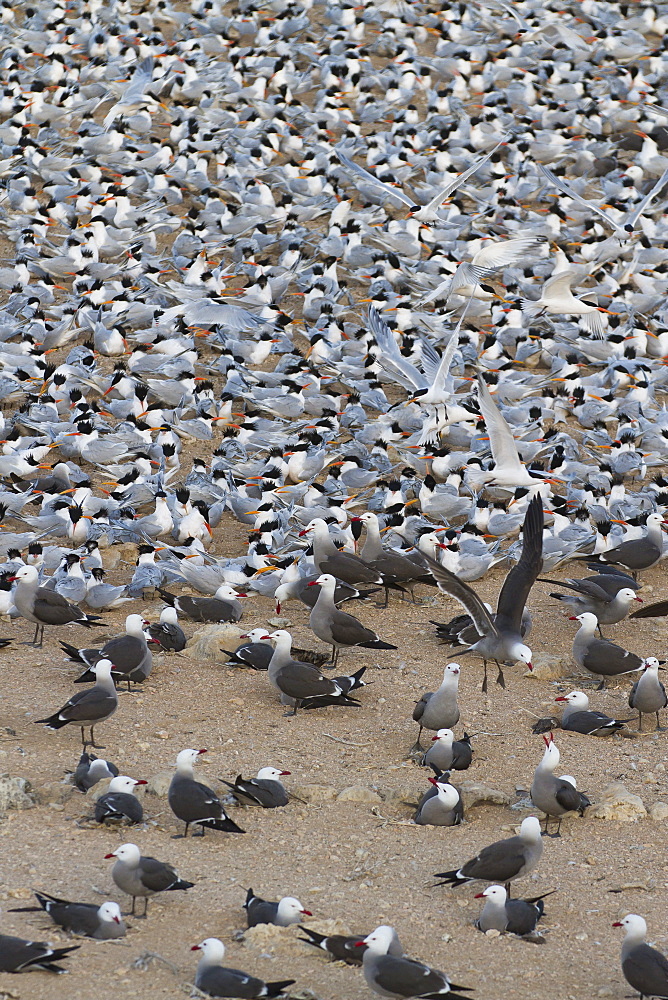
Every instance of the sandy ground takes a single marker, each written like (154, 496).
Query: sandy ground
(362, 863)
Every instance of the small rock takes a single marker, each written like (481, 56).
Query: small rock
(492, 932)
(616, 802)
(57, 792)
(210, 641)
(15, 793)
(159, 783)
(549, 667)
(162, 734)
(658, 811)
(475, 792)
(316, 793)
(358, 793)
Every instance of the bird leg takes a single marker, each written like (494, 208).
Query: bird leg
(500, 679)
(659, 727)
(335, 656)
(144, 914)
(508, 889)
(83, 740)
(417, 747)
(132, 911)
(96, 746)
(484, 680)
(640, 721)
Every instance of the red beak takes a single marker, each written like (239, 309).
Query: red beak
(479, 895)
(313, 583)
(142, 781)
(359, 944)
(307, 913)
(561, 698)
(202, 751)
(195, 947)
(283, 773)
(107, 856)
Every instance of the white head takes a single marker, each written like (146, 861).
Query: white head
(587, 620)
(651, 664)
(635, 926)
(495, 894)
(282, 639)
(26, 574)
(255, 635)
(326, 581)
(578, 699)
(128, 853)
(318, 526)
(102, 668)
(655, 519)
(379, 941)
(186, 758)
(271, 774)
(134, 625)
(169, 616)
(626, 594)
(551, 755)
(530, 829)
(213, 950)
(225, 593)
(290, 909)
(121, 783)
(522, 653)
(447, 793)
(110, 912)
(444, 736)
(452, 672)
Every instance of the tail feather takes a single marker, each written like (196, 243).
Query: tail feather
(321, 701)
(452, 878)
(167, 597)
(315, 938)
(226, 825)
(275, 989)
(72, 651)
(53, 722)
(180, 884)
(377, 644)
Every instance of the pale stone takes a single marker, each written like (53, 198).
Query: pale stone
(617, 803)
(549, 667)
(358, 793)
(56, 792)
(658, 811)
(316, 793)
(209, 641)
(475, 792)
(493, 933)
(159, 783)
(15, 793)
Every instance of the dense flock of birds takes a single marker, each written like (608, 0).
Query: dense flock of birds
(385, 285)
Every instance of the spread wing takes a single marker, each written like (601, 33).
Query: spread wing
(390, 358)
(391, 192)
(501, 440)
(454, 587)
(561, 184)
(522, 577)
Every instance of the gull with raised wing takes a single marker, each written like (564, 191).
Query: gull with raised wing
(501, 634)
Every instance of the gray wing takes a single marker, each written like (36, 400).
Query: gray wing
(391, 359)
(461, 178)
(497, 863)
(157, 875)
(407, 978)
(646, 969)
(636, 212)
(454, 587)
(561, 184)
(361, 172)
(501, 440)
(522, 577)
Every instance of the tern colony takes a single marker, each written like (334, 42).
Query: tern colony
(385, 286)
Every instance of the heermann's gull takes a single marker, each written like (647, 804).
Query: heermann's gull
(460, 630)
(118, 802)
(328, 559)
(441, 806)
(257, 652)
(215, 980)
(92, 769)
(337, 628)
(578, 718)
(555, 796)
(397, 568)
(104, 923)
(638, 553)
(514, 916)
(648, 693)
(599, 656)
(224, 606)
(438, 709)
(265, 790)
(19, 955)
(43, 606)
(590, 596)
(396, 976)
(90, 707)
(503, 861)
(448, 754)
(351, 682)
(500, 635)
(193, 802)
(140, 876)
(345, 948)
(286, 911)
(645, 968)
(167, 633)
(302, 684)
(129, 653)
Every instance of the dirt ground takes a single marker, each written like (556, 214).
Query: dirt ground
(361, 863)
